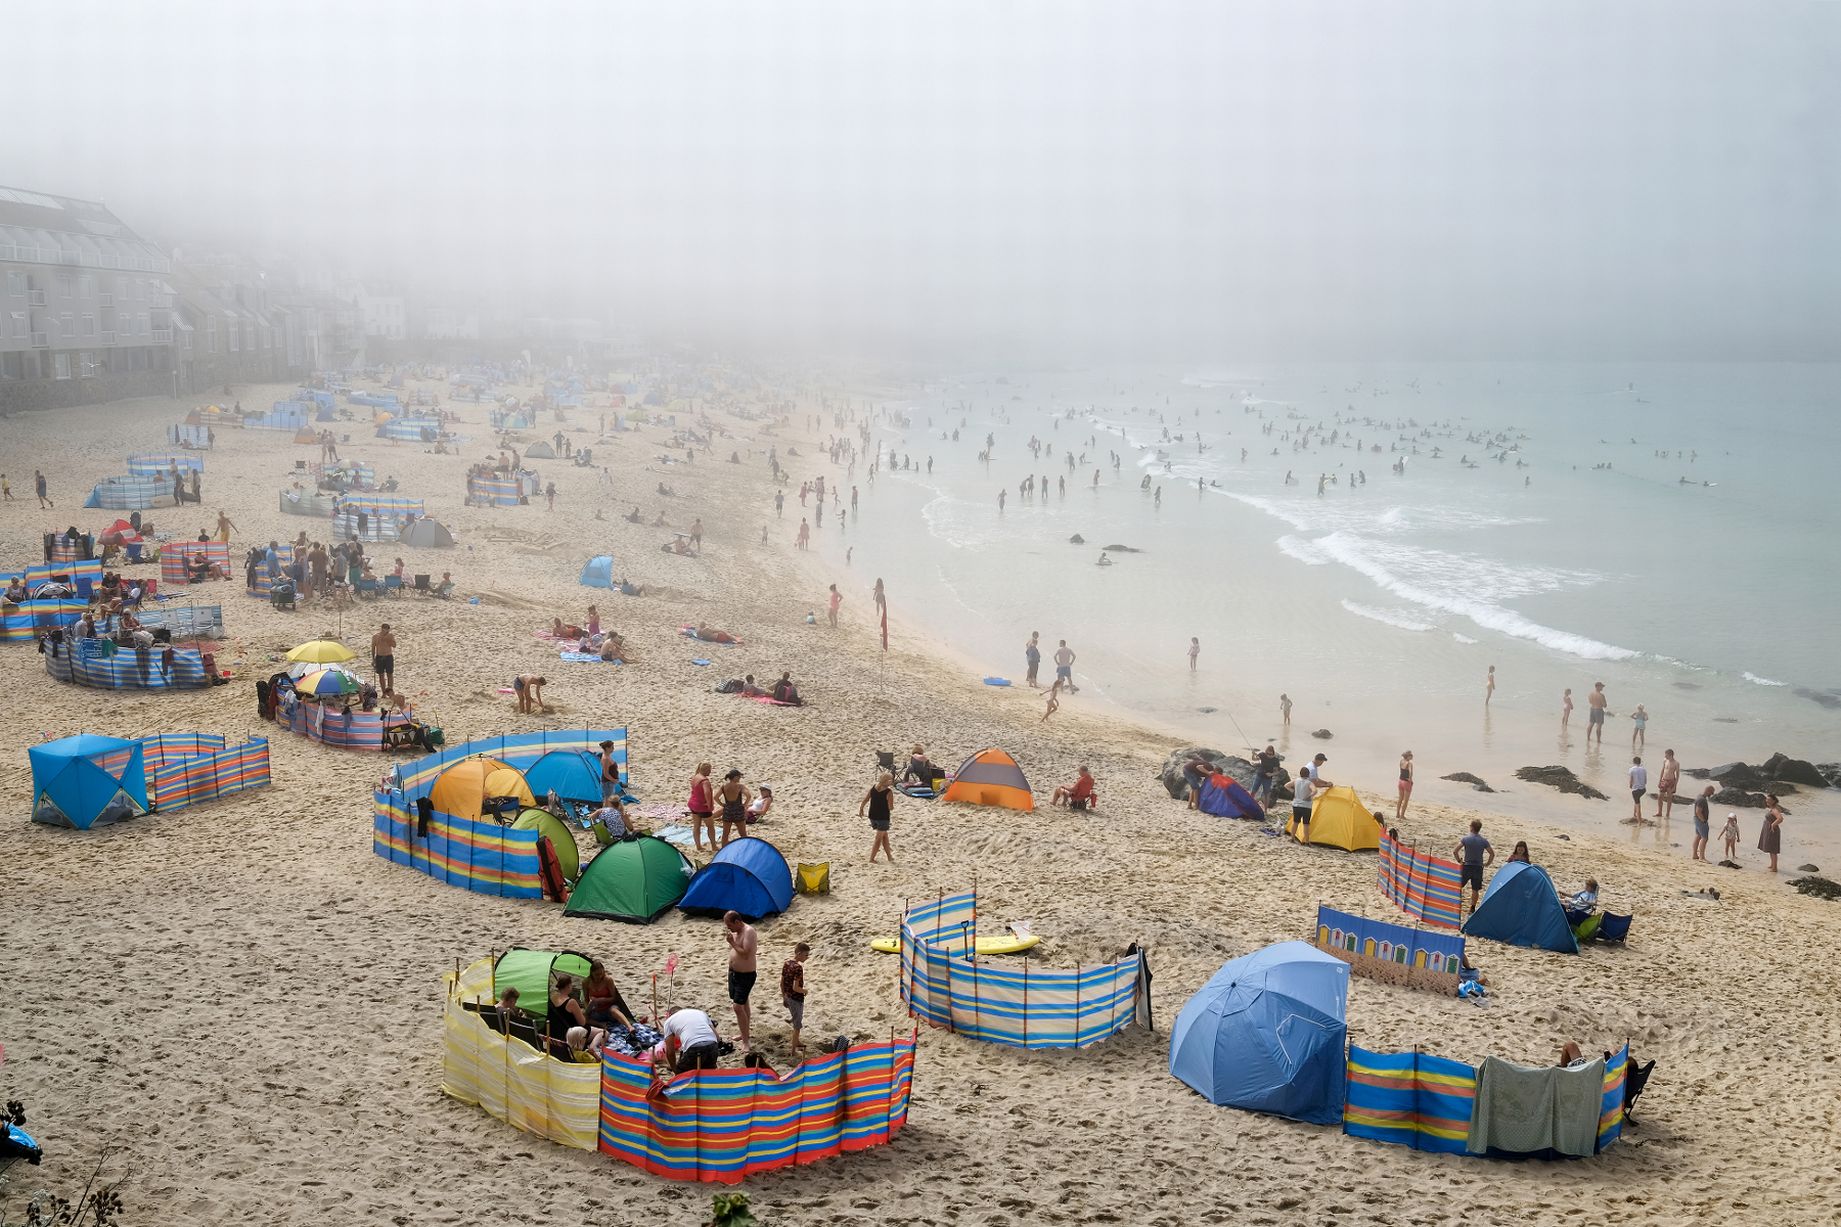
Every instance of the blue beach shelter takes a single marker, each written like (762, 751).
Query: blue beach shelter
(748, 876)
(1522, 908)
(575, 775)
(1223, 797)
(86, 780)
(598, 572)
(1266, 1034)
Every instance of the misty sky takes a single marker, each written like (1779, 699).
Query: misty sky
(1195, 181)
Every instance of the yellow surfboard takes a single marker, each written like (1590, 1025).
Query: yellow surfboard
(985, 945)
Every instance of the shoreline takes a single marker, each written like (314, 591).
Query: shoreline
(272, 903)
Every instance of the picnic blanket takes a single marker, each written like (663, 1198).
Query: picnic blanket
(1528, 1110)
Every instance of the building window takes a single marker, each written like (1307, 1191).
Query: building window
(89, 325)
(15, 283)
(86, 365)
(86, 285)
(233, 339)
(188, 339)
(20, 327)
(67, 286)
(144, 326)
(70, 323)
(61, 362)
(210, 334)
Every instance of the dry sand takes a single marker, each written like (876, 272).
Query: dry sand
(241, 1003)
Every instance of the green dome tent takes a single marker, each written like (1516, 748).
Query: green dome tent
(530, 972)
(636, 880)
(562, 842)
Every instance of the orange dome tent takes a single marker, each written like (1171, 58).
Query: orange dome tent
(462, 790)
(991, 777)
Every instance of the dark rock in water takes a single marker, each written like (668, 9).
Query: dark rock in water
(1739, 798)
(1699, 773)
(1725, 719)
(1737, 775)
(1826, 698)
(1830, 772)
(1820, 888)
(1171, 773)
(1322, 734)
(1685, 685)
(1208, 711)
(1121, 549)
(1560, 778)
(1464, 777)
(1809, 869)
(1781, 766)
(1077, 539)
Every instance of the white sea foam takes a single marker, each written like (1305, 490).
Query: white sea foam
(1439, 592)
(1390, 617)
(1762, 681)
(1462, 638)
(1303, 551)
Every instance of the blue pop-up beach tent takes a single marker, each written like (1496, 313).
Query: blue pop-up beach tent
(1266, 1034)
(748, 876)
(1223, 797)
(86, 780)
(574, 775)
(1522, 908)
(598, 572)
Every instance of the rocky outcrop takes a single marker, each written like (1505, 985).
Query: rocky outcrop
(1171, 773)
(1464, 777)
(1121, 549)
(1077, 539)
(1322, 734)
(1781, 766)
(1560, 778)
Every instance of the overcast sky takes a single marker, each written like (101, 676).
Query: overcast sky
(1196, 181)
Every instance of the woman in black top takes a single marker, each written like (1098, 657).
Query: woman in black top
(880, 802)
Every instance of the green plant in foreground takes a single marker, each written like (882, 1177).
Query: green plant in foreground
(728, 1210)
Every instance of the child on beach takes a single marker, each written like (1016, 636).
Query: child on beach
(1054, 700)
(1729, 835)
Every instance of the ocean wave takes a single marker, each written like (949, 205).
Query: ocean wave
(1353, 553)
(1303, 551)
(1762, 681)
(1388, 617)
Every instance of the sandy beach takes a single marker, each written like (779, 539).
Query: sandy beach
(240, 1003)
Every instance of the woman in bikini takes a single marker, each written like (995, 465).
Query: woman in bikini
(1406, 786)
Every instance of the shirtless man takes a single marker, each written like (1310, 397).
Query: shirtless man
(1594, 719)
(529, 689)
(1666, 781)
(383, 658)
(742, 945)
(1064, 667)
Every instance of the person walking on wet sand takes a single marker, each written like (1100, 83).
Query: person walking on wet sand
(1032, 657)
(1064, 667)
(1703, 823)
(1566, 708)
(1489, 686)
(1639, 724)
(1666, 784)
(1284, 708)
(1195, 650)
(1599, 708)
(1639, 784)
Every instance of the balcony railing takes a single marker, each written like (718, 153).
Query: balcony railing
(163, 336)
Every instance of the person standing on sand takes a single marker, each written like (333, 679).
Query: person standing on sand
(1639, 721)
(1032, 658)
(1703, 823)
(1195, 650)
(879, 801)
(1474, 854)
(1730, 834)
(383, 658)
(1639, 783)
(1064, 667)
(1406, 786)
(1770, 836)
(1302, 794)
(702, 807)
(1566, 708)
(1665, 787)
(832, 602)
(805, 533)
(1284, 708)
(743, 942)
(881, 598)
(733, 796)
(1489, 686)
(1599, 705)
(792, 991)
(1265, 775)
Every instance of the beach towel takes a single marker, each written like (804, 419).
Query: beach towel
(699, 663)
(589, 658)
(1522, 1110)
(680, 836)
(770, 701)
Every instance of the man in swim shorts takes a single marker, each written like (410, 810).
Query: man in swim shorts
(742, 946)
(1064, 667)
(1595, 717)
(1473, 853)
(383, 658)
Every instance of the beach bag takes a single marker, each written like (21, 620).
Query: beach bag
(813, 879)
(732, 686)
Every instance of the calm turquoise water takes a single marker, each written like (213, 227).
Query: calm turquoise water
(1379, 606)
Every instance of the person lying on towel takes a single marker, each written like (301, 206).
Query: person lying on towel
(710, 634)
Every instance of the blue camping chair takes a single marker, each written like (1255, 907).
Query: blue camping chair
(1614, 928)
(369, 589)
(393, 585)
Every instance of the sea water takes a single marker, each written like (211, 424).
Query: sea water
(1669, 530)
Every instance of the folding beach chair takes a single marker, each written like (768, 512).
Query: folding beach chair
(393, 585)
(421, 585)
(1614, 928)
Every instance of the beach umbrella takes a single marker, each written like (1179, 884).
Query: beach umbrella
(324, 683)
(301, 668)
(322, 652)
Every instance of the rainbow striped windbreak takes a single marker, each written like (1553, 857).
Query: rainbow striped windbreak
(1421, 884)
(24, 622)
(475, 854)
(84, 576)
(177, 556)
(718, 1126)
(186, 767)
(1412, 1099)
(105, 665)
(943, 983)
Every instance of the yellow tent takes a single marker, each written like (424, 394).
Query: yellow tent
(991, 777)
(462, 789)
(1338, 819)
